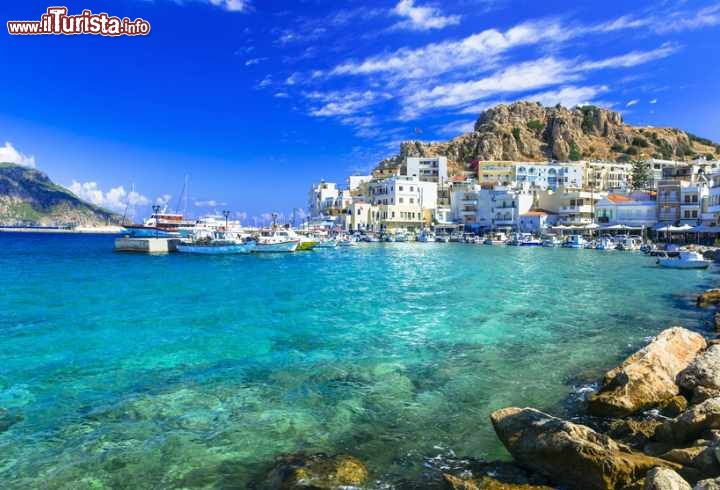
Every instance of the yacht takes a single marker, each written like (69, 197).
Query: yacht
(575, 241)
(215, 243)
(685, 260)
(276, 240)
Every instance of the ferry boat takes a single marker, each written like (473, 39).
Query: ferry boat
(685, 260)
(162, 225)
(575, 241)
(215, 243)
(276, 240)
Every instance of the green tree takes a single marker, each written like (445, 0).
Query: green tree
(575, 153)
(516, 135)
(640, 174)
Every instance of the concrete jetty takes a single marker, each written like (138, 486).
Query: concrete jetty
(146, 245)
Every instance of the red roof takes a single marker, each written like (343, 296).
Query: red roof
(619, 198)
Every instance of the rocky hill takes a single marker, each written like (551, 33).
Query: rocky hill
(29, 197)
(527, 131)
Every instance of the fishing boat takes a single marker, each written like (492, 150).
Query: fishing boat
(496, 239)
(527, 240)
(276, 240)
(685, 260)
(605, 243)
(552, 241)
(327, 243)
(426, 236)
(575, 241)
(215, 243)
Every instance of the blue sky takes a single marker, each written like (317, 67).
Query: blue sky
(255, 100)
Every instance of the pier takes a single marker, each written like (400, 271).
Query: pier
(146, 245)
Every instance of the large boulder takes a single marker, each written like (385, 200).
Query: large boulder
(702, 376)
(487, 483)
(665, 479)
(647, 378)
(317, 472)
(568, 453)
(710, 484)
(691, 424)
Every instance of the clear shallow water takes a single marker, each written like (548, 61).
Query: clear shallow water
(135, 371)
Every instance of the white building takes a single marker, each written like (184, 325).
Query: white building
(551, 176)
(427, 169)
(321, 197)
(694, 201)
(608, 176)
(537, 221)
(402, 203)
(464, 199)
(574, 207)
(638, 209)
(355, 181)
(502, 207)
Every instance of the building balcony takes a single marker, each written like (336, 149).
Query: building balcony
(504, 222)
(585, 208)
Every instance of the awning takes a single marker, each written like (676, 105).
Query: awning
(705, 229)
(675, 229)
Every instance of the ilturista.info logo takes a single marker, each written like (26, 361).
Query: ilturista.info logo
(57, 21)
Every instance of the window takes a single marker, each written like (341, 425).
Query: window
(400, 200)
(400, 188)
(412, 201)
(412, 188)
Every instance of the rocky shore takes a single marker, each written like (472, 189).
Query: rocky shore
(652, 424)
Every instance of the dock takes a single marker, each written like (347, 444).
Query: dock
(146, 245)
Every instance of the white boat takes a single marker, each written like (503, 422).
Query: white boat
(278, 240)
(685, 260)
(346, 242)
(605, 243)
(527, 240)
(496, 239)
(551, 241)
(401, 236)
(442, 238)
(575, 241)
(426, 236)
(215, 243)
(629, 243)
(329, 243)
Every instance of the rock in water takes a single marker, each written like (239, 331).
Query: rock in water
(647, 378)
(689, 425)
(665, 479)
(711, 484)
(711, 297)
(318, 471)
(702, 376)
(567, 453)
(487, 483)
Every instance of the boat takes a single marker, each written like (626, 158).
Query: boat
(401, 236)
(496, 239)
(161, 225)
(215, 243)
(443, 238)
(575, 241)
(345, 242)
(514, 240)
(276, 240)
(426, 236)
(685, 260)
(551, 241)
(456, 236)
(328, 243)
(629, 243)
(527, 240)
(605, 243)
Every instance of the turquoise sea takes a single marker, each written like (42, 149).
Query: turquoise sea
(147, 372)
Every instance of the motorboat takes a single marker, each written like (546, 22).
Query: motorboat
(327, 243)
(346, 242)
(629, 244)
(426, 236)
(552, 241)
(456, 236)
(575, 241)
(527, 240)
(605, 243)
(215, 243)
(161, 225)
(442, 238)
(496, 239)
(401, 236)
(685, 260)
(277, 240)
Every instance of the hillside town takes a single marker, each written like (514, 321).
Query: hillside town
(531, 197)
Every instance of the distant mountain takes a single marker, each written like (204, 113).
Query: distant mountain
(527, 131)
(29, 197)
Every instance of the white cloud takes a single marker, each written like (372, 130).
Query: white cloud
(632, 102)
(210, 203)
(568, 96)
(457, 127)
(265, 82)
(281, 95)
(654, 101)
(254, 61)
(343, 103)
(8, 154)
(116, 199)
(231, 5)
(163, 200)
(422, 18)
(631, 59)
